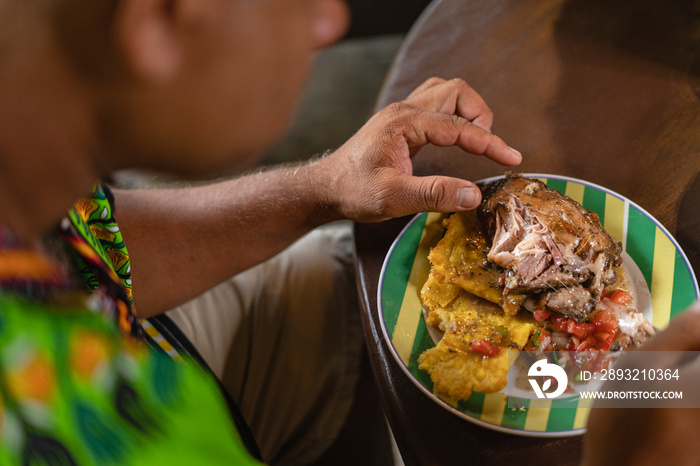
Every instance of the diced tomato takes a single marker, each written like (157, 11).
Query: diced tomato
(581, 330)
(621, 297)
(559, 322)
(485, 347)
(605, 340)
(587, 344)
(597, 334)
(606, 321)
(541, 315)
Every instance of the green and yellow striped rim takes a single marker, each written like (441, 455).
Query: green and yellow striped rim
(665, 268)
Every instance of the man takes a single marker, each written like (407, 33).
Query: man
(192, 87)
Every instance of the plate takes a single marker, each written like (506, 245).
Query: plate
(663, 269)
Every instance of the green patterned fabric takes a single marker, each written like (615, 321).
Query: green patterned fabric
(93, 221)
(78, 386)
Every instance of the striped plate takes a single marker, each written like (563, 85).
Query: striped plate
(663, 264)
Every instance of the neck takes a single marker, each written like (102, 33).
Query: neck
(45, 137)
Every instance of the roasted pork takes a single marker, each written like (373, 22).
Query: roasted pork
(555, 253)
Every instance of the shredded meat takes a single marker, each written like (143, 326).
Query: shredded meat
(553, 250)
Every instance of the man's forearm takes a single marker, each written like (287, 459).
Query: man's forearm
(183, 241)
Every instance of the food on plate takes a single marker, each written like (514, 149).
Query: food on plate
(556, 255)
(460, 258)
(471, 355)
(530, 270)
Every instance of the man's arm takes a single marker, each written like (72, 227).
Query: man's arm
(184, 241)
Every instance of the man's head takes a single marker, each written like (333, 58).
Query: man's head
(191, 85)
(186, 86)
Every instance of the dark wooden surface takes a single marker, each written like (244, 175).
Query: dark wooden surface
(605, 91)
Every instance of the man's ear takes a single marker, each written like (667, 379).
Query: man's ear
(148, 37)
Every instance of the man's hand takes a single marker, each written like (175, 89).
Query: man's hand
(370, 177)
(653, 436)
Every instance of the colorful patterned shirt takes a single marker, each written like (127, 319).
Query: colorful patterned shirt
(78, 384)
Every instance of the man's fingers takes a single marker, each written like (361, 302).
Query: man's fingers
(454, 97)
(444, 130)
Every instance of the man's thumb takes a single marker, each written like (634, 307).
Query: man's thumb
(441, 194)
